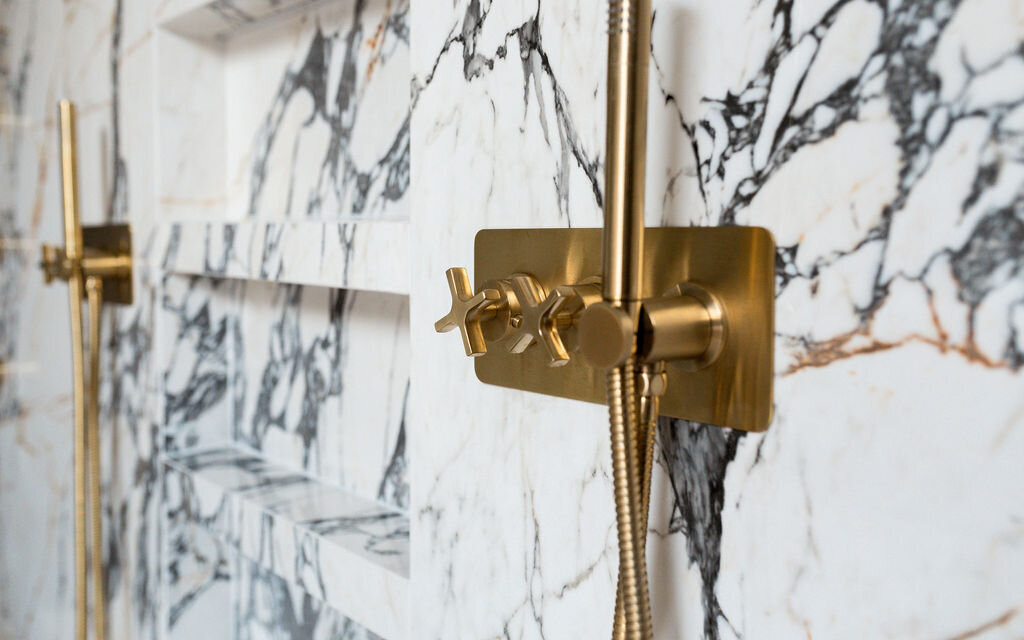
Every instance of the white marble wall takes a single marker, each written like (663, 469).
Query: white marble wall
(103, 62)
(879, 141)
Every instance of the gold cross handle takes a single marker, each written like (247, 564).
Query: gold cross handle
(545, 316)
(468, 311)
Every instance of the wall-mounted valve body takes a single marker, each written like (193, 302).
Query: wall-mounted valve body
(537, 320)
(685, 324)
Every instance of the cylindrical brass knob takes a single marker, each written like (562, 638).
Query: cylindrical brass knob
(685, 326)
(606, 335)
(49, 262)
(468, 310)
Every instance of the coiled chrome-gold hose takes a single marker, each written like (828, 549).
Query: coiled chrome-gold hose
(94, 295)
(627, 471)
(648, 408)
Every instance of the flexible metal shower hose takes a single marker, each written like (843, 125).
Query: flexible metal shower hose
(628, 445)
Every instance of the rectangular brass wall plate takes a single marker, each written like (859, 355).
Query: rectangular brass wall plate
(114, 240)
(736, 264)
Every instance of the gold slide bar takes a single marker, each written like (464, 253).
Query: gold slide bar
(96, 263)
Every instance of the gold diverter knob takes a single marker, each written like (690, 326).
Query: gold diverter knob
(545, 315)
(468, 310)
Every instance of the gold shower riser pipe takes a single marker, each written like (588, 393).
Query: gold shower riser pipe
(629, 43)
(629, 35)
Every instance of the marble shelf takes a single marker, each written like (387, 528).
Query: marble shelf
(367, 256)
(348, 551)
(218, 19)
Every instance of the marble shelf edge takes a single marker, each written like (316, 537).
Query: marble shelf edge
(347, 551)
(212, 19)
(366, 256)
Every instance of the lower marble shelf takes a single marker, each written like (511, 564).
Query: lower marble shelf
(349, 552)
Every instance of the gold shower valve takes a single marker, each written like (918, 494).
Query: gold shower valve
(544, 316)
(468, 311)
(706, 309)
(561, 312)
(517, 308)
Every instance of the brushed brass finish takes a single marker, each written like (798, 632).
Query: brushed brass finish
(96, 263)
(468, 311)
(564, 307)
(686, 326)
(94, 295)
(652, 382)
(734, 264)
(108, 254)
(73, 252)
(629, 45)
(544, 316)
(501, 317)
(607, 335)
(531, 297)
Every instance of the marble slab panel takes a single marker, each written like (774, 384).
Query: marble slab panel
(879, 143)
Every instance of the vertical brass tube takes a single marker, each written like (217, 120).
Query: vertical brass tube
(94, 293)
(629, 43)
(78, 364)
(629, 37)
(73, 251)
(69, 181)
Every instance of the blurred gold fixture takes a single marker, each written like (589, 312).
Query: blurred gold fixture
(97, 265)
(673, 321)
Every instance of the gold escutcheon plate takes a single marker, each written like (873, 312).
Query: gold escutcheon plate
(735, 264)
(112, 240)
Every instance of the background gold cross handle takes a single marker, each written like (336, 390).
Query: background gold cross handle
(96, 263)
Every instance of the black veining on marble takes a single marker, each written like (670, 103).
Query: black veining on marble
(394, 486)
(903, 59)
(13, 79)
(190, 552)
(303, 362)
(368, 188)
(271, 608)
(12, 263)
(202, 334)
(117, 203)
(219, 252)
(537, 70)
(696, 457)
(386, 532)
(313, 371)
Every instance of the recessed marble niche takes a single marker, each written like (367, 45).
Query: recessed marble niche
(283, 322)
(284, 110)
